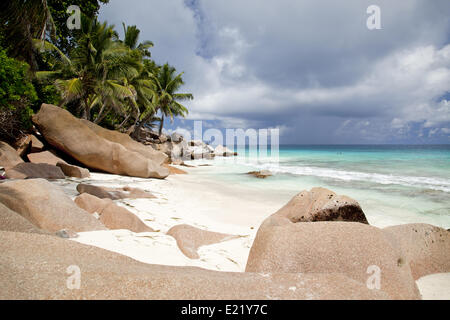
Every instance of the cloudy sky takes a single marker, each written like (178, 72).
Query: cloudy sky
(311, 68)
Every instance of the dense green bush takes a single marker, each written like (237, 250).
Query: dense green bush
(46, 93)
(16, 96)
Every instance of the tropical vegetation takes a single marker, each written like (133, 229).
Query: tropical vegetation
(92, 72)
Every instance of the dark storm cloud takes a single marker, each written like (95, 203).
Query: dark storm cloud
(311, 68)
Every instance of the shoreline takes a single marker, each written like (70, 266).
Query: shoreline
(209, 205)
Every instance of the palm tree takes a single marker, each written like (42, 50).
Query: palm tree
(131, 40)
(96, 73)
(168, 83)
(143, 84)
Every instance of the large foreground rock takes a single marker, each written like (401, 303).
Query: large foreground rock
(427, 248)
(332, 247)
(41, 267)
(70, 135)
(28, 170)
(321, 204)
(46, 206)
(190, 238)
(125, 140)
(12, 221)
(8, 156)
(111, 215)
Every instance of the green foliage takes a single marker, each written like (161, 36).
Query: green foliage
(16, 95)
(66, 39)
(168, 84)
(22, 22)
(14, 82)
(46, 93)
(102, 78)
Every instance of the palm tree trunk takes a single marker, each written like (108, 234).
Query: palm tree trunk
(123, 122)
(87, 110)
(161, 124)
(105, 113)
(100, 115)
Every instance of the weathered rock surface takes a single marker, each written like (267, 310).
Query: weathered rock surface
(221, 151)
(66, 234)
(321, 204)
(70, 135)
(114, 193)
(260, 174)
(22, 145)
(174, 170)
(35, 267)
(145, 135)
(196, 143)
(46, 206)
(12, 221)
(427, 248)
(176, 137)
(36, 144)
(190, 238)
(44, 157)
(174, 151)
(73, 171)
(29, 170)
(8, 156)
(111, 215)
(201, 152)
(125, 140)
(332, 247)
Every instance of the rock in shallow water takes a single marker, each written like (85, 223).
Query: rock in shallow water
(260, 174)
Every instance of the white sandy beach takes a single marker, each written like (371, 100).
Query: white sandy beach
(182, 199)
(210, 205)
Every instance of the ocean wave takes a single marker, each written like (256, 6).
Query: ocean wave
(385, 179)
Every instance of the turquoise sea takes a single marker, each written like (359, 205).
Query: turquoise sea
(394, 184)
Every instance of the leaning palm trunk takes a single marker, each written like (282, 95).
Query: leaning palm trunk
(123, 122)
(137, 128)
(87, 110)
(100, 115)
(161, 124)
